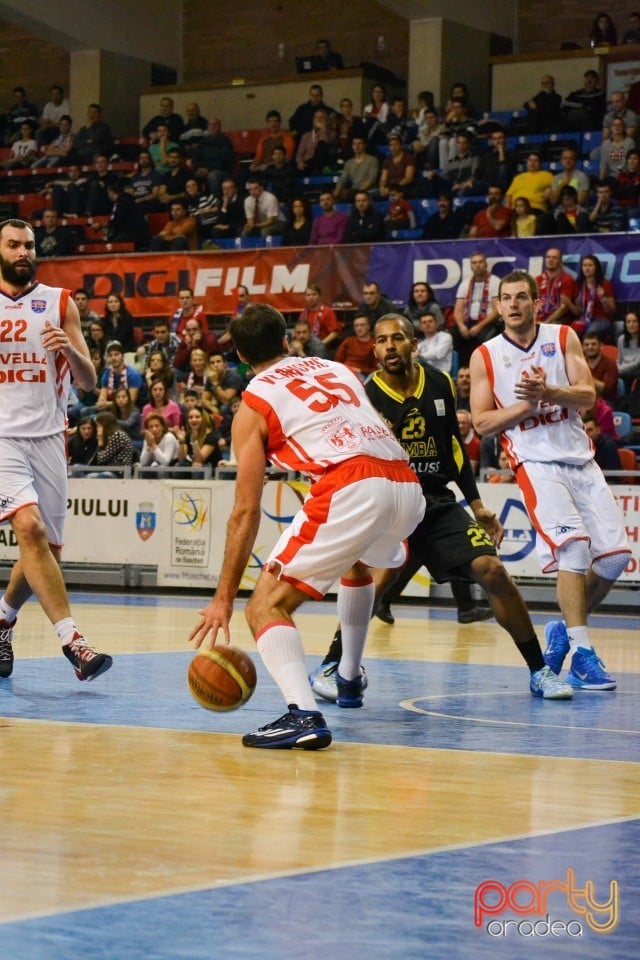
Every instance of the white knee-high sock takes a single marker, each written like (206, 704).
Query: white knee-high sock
(281, 649)
(355, 605)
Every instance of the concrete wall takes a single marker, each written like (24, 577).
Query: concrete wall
(143, 29)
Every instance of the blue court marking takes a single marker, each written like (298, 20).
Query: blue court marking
(414, 908)
(409, 703)
(412, 611)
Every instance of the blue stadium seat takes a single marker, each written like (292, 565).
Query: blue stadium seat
(557, 142)
(227, 243)
(247, 243)
(409, 234)
(502, 116)
(423, 209)
(318, 181)
(480, 200)
(623, 423)
(590, 140)
(251, 243)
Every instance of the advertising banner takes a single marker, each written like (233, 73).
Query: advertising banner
(180, 528)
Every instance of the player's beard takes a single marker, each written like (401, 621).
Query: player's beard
(19, 273)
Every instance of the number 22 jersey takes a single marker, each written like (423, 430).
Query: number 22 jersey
(34, 382)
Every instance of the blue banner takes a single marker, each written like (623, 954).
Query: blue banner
(396, 267)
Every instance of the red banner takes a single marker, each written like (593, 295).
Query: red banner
(150, 283)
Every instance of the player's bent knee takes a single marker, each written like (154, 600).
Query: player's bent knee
(490, 573)
(271, 599)
(611, 566)
(29, 528)
(574, 556)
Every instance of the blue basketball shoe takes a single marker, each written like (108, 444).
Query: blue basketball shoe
(305, 729)
(587, 671)
(350, 691)
(324, 684)
(555, 634)
(544, 683)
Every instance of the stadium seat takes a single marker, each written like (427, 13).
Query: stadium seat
(623, 424)
(590, 140)
(423, 209)
(106, 247)
(628, 461)
(414, 233)
(225, 243)
(556, 143)
(157, 221)
(502, 116)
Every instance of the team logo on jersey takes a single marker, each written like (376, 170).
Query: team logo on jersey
(38, 306)
(341, 435)
(548, 349)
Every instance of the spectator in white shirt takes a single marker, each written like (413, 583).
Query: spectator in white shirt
(437, 346)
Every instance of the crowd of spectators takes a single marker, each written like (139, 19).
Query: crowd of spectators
(331, 175)
(336, 176)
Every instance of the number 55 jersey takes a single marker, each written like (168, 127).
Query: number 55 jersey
(318, 415)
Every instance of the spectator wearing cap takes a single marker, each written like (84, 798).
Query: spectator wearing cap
(117, 374)
(398, 169)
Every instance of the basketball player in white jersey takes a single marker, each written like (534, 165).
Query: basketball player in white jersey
(41, 348)
(528, 385)
(310, 415)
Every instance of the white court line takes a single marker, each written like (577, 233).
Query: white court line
(302, 872)
(411, 706)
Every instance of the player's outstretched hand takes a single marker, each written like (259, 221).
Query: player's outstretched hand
(491, 524)
(215, 617)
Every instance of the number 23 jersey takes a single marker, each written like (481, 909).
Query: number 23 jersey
(318, 415)
(427, 428)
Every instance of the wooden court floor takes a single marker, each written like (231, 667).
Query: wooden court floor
(135, 825)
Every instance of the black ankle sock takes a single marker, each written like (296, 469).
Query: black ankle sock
(335, 650)
(532, 654)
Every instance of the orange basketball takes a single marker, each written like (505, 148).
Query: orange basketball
(222, 678)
